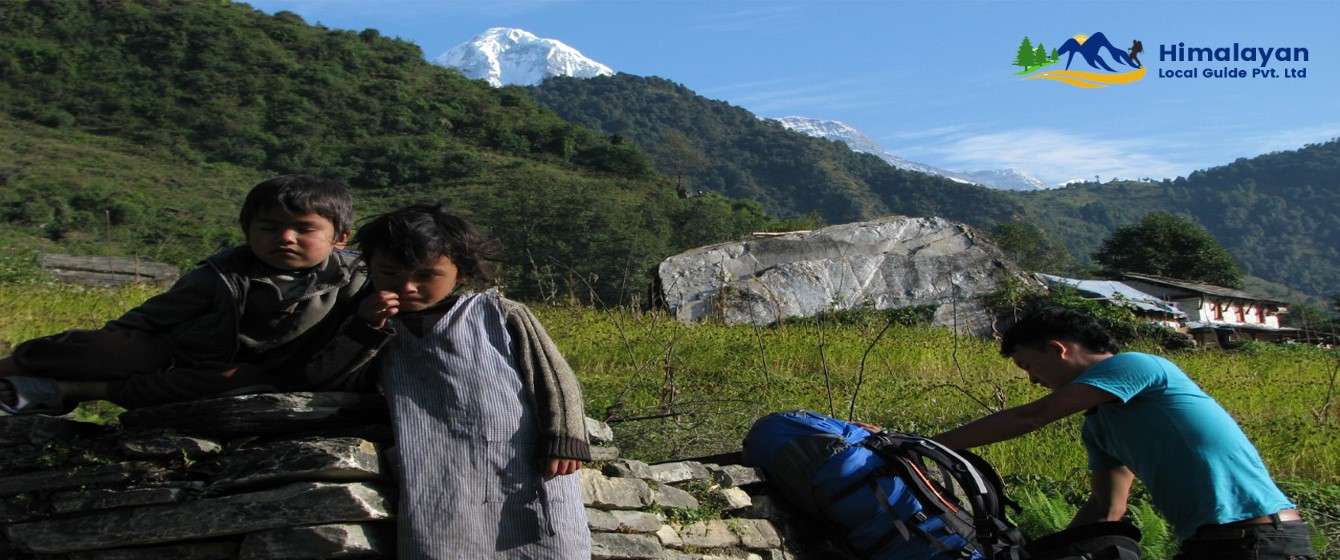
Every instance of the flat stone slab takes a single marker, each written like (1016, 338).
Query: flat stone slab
(75, 477)
(318, 542)
(614, 493)
(333, 459)
(262, 415)
(304, 503)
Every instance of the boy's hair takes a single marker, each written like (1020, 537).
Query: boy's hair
(301, 194)
(416, 234)
(1057, 323)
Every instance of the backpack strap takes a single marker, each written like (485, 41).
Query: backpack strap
(980, 488)
(905, 529)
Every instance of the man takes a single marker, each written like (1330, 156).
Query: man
(1144, 417)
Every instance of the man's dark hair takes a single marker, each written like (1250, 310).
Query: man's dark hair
(301, 194)
(416, 234)
(1057, 323)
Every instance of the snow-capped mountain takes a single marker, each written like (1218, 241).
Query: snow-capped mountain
(1003, 179)
(506, 56)
(1008, 179)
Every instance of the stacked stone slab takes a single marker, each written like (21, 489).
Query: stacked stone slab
(303, 475)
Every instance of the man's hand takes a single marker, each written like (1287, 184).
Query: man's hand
(868, 427)
(378, 307)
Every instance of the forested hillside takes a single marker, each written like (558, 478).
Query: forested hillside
(135, 126)
(716, 147)
(1275, 213)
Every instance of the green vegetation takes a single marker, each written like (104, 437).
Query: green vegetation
(673, 390)
(1165, 244)
(136, 127)
(1272, 213)
(132, 127)
(790, 173)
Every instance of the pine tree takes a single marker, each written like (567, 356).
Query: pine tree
(1040, 56)
(1025, 55)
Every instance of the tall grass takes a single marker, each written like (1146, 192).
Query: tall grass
(675, 390)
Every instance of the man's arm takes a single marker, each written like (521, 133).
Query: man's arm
(1109, 491)
(1014, 422)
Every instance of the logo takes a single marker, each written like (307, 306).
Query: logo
(1106, 64)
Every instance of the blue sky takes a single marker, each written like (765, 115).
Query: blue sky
(933, 81)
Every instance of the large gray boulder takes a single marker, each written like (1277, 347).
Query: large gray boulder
(892, 262)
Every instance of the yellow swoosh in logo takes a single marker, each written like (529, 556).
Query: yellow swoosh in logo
(1089, 79)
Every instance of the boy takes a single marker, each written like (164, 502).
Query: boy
(253, 318)
(1146, 418)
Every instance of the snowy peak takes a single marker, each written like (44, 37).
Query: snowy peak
(506, 56)
(1008, 179)
(837, 131)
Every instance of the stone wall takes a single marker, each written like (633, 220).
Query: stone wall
(303, 475)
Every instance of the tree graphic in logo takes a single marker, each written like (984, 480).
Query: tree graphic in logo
(1031, 58)
(1117, 66)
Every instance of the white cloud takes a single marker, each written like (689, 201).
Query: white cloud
(1291, 139)
(764, 19)
(772, 98)
(1051, 155)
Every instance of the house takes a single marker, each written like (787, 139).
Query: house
(1218, 316)
(1143, 305)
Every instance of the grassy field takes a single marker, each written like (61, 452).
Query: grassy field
(672, 390)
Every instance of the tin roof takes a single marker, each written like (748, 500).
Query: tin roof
(1196, 288)
(1115, 292)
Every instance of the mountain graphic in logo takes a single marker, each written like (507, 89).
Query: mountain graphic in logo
(1110, 65)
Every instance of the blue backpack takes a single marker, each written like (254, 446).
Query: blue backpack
(893, 496)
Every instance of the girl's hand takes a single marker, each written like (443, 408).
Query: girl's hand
(559, 466)
(378, 307)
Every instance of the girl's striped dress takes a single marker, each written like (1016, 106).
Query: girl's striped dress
(470, 478)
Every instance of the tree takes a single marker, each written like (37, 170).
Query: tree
(1025, 55)
(1040, 55)
(677, 157)
(1030, 247)
(1165, 244)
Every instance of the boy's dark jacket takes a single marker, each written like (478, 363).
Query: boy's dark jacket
(202, 316)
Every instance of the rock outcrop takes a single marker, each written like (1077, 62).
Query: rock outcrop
(894, 262)
(106, 271)
(303, 476)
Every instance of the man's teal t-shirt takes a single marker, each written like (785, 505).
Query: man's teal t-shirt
(1198, 465)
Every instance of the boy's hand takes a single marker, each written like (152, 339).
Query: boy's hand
(559, 466)
(378, 307)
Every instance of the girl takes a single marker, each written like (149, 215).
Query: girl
(488, 417)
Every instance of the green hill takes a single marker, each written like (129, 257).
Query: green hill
(1275, 213)
(135, 127)
(1271, 212)
(720, 148)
